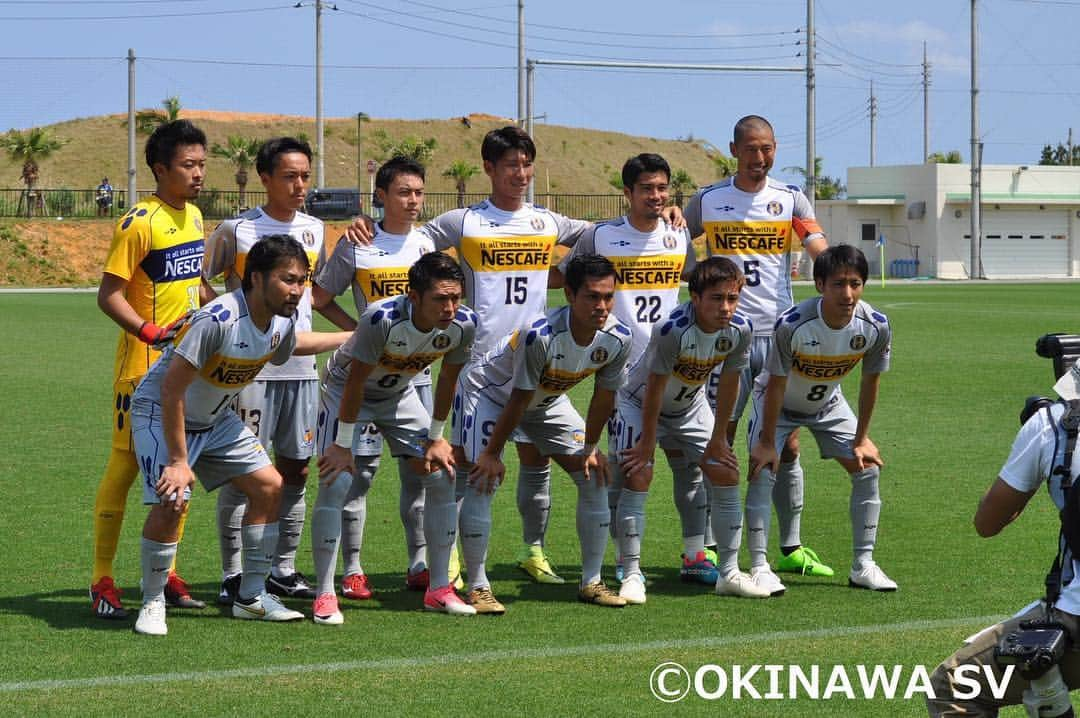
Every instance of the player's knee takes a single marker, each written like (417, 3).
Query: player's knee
(162, 523)
(719, 475)
(294, 472)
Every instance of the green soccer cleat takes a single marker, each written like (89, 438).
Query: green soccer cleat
(803, 560)
(533, 562)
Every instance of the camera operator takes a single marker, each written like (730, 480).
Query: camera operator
(1039, 640)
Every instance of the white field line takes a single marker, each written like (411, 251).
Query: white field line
(389, 664)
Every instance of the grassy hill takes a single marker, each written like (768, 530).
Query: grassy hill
(571, 160)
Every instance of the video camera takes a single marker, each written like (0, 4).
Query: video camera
(1064, 349)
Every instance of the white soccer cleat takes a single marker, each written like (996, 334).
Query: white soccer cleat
(265, 607)
(871, 577)
(764, 577)
(325, 611)
(151, 620)
(740, 584)
(632, 588)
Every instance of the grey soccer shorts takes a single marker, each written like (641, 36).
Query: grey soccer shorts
(833, 427)
(282, 415)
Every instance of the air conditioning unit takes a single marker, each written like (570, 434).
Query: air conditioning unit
(916, 210)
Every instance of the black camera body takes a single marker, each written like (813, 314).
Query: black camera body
(1034, 649)
(1064, 349)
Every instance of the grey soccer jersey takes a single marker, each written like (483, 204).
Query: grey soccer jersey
(228, 351)
(648, 269)
(226, 253)
(680, 350)
(815, 358)
(386, 338)
(505, 257)
(543, 357)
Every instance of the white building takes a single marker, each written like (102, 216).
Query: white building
(1030, 219)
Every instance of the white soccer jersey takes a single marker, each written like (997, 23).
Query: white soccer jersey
(228, 351)
(757, 231)
(815, 358)
(506, 257)
(680, 350)
(386, 338)
(226, 253)
(543, 357)
(648, 268)
(377, 271)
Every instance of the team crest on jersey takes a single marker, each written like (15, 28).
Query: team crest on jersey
(599, 355)
(670, 241)
(857, 342)
(536, 223)
(309, 237)
(774, 208)
(275, 340)
(723, 344)
(441, 342)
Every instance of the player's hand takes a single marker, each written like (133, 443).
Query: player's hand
(762, 456)
(674, 216)
(439, 455)
(361, 231)
(336, 460)
(160, 337)
(175, 478)
(486, 473)
(596, 468)
(718, 453)
(637, 461)
(866, 453)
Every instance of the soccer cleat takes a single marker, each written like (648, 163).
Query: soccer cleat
(739, 584)
(264, 607)
(599, 594)
(632, 589)
(619, 573)
(871, 577)
(325, 610)
(532, 561)
(356, 586)
(417, 581)
(700, 569)
(229, 587)
(454, 569)
(446, 600)
(105, 600)
(803, 560)
(484, 601)
(151, 620)
(177, 594)
(292, 586)
(764, 577)
(710, 555)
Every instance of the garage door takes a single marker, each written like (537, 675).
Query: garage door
(1025, 243)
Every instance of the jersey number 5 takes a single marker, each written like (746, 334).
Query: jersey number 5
(750, 270)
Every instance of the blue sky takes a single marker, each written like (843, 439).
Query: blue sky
(432, 59)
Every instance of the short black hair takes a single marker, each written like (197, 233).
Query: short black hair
(498, 142)
(395, 166)
(434, 267)
(267, 159)
(269, 252)
(161, 147)
(713, 271)
(639, 165)
(587, 266)
(837, 257)
(748, 123)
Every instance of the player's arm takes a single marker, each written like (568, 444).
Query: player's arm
(999, 507)
(325, 303)
(864, 449)
(207, 293)
(319, 342)
(438, 452)
(806, 227)
(763, 454)
(718, 451)
(114, 304)
(488, 471)
(600, 408)
(177, 474)
(338, 459)
(639, 457)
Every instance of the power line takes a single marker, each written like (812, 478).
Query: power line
(144, 16)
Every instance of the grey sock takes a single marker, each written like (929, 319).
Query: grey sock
(354, 513)
(260, 540)
(614, 493)
(865, 510)
(290, 526)
(534, 502)
(326, 524)
(727, 520)
(710, 539)
(440, 526)
(156, 559)
(231, 504)
(689, 494)
(630, 518)
(758, 517)
(475, 532)
(593, 519)
(788, 499)
(411, 511)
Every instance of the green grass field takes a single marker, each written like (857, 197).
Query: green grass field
(962, 363)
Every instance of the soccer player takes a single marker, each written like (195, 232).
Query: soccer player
(755, 221)
(152, 278)
(521, 386)
(816, 344)
(280, 405)
(369, 379)
(375, 272)
(183, 423)
(662, 400)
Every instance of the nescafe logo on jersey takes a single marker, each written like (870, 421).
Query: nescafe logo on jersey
(412, 364)
(382, 282)
(599, 355)
(441, 342)
(222, 371)
(723, 344)
(774, 208)
(558, 381)
(857, 342)
(695, 371)
(502, 254)
(661, 271)
(169, 264)
(751, 237)
(819, 367)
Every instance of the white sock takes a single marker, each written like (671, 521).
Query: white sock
(156, 558)
(727, 520)
(440, 526)
(411, 511)
(534, 502)
(787, 497)
(758, 517)
(326, 523)
(691, 502)
(290, 527)
(631, 529)
(475, 532)
(593, 519)
(354, 513)
(260, 541)
(231, 505)
(865, 510)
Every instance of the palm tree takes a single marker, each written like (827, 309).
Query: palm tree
(241, 151)
(681, 182)
(952, 157)
(461, 172)
(825, 187)
(725, 166)
(146, 121)
(30, 147)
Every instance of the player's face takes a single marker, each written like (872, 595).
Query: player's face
(714, 307)
(755, 153)
(283, 286)
(437, 306)
(183, 177)
(404, 199)
(286, 186)
(510, 175)
(591, 305)
(840, 293)
(648, 196)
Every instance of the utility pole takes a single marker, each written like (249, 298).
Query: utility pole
(811, 150)
(1070, 147)
(873, 125)
(521, 112)
(320, 176)
(925, 105)
(975, 270)
(528, 118)
(132, 193)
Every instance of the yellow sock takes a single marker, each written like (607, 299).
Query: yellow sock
(180, 533)
(109, 505)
